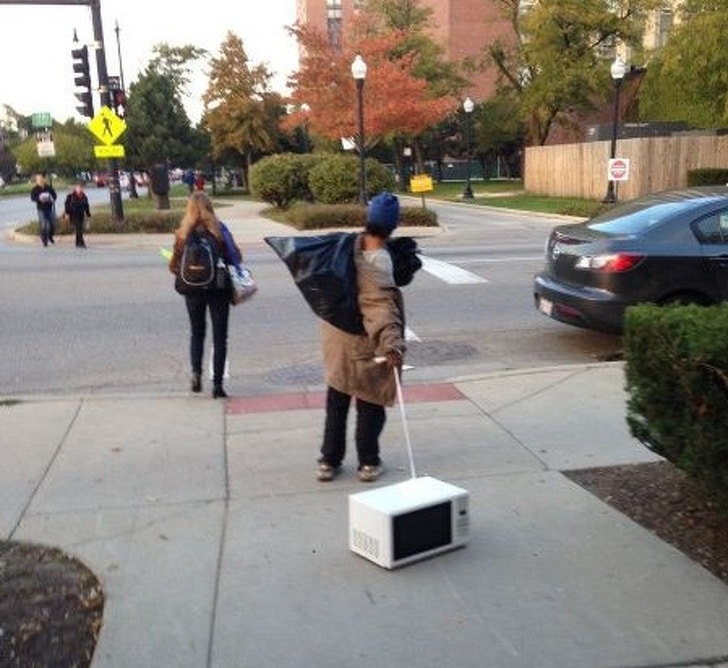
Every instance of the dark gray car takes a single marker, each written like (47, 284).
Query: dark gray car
(663, 248)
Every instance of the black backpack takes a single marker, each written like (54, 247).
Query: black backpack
(201, 266)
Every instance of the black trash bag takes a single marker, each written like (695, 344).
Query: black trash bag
(323, 270)
(405, 259)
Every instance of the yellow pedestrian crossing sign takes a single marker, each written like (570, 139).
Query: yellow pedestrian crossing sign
(107, 151)
(106, 126)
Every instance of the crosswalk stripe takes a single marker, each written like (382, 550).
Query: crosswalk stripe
(409, 335)
(449, 273)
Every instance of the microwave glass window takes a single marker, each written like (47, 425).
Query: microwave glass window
(422, 530)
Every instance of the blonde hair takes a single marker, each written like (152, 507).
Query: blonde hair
(199, 213)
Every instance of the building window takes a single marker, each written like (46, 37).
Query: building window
(333, 23)
(664, 26)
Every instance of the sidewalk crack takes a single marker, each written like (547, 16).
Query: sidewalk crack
(47, 470)
(221, 547)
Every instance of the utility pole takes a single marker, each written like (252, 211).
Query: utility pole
(117, 210)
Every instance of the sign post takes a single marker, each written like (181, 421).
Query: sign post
(421, 183)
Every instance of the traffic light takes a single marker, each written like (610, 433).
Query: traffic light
(118, 99)
(82, 79)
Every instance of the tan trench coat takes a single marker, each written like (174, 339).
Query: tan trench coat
(349, 358)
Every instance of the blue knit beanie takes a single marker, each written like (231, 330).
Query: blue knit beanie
(383, 212)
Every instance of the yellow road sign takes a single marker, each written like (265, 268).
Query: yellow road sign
(421, 183)
(114, 151)
(106, 126)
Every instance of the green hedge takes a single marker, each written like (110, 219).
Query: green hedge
(283, 178)
(135, 222)
(708, 176)
(327, 216)
(677, 380)
(335, 179)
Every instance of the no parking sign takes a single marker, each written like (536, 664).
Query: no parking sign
(618, 169)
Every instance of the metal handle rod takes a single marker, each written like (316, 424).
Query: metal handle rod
(407, 440)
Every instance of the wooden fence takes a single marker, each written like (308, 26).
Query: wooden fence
(656, 163)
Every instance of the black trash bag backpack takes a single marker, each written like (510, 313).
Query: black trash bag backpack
(324, 271)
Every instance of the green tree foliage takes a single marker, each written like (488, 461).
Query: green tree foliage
(241, 112)
(158, 128)
(688, 80)
(74, 151)
(560, 58)
(412, 21)
(175, 62)
(498, 130)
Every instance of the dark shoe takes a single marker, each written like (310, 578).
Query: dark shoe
(196, 382)
(218, 392)
(326, 472)
(51, 240)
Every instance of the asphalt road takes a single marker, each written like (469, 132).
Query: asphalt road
(106, 321)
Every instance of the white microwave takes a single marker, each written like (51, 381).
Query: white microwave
(408, 521)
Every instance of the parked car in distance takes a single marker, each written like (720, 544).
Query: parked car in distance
(669, 247)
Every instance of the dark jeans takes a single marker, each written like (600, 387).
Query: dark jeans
(219, 304)
(47, 221)
(370, 420)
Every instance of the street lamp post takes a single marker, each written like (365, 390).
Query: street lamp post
(468, 106)
(306, 110)
(617, 70)
(359, 72)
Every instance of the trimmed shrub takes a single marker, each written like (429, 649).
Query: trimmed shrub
(708, 176)
(327, 216)
(335, 179)
(283, 178)
(135, 222)
(677, 380)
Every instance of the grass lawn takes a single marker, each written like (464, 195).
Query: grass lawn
(510, 195)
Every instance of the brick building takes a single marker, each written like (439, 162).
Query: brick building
(464, 28)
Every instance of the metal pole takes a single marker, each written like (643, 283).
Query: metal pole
(118, 51)
(362, 157)
(611, 196)
(117, 209)
(468, 192)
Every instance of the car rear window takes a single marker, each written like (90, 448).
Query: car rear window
(633, 220)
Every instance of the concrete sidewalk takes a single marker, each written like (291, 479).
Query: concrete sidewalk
(217, 547)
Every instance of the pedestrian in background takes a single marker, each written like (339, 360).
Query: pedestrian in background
(76, 209)
(189, 180)
(351, 360)
(200, 219)
(199, 182)
(45, 199)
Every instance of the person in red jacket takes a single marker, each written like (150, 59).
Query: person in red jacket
(199, 182)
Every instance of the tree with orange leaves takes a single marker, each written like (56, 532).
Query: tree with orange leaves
(396, 102)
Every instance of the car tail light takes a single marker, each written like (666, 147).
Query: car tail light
(612, 263)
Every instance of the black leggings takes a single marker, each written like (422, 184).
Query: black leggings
(370, 419)
(219, 305)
